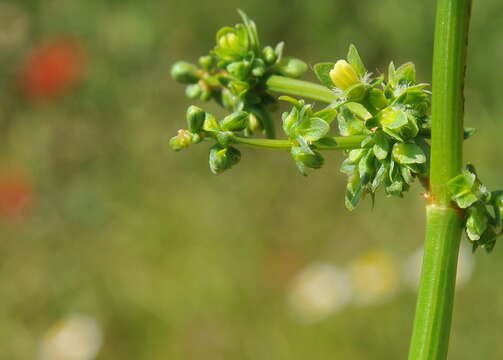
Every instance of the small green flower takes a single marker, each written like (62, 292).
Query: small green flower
(185, 72)
(195, 118)
(223, 158)
(232, 43)
(182, 140)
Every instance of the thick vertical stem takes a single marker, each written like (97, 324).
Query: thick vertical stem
(432, 323)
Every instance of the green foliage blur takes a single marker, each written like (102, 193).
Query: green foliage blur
(175, 263)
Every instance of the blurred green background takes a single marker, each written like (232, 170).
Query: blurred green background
(112, 245)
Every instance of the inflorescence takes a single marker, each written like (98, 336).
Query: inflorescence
(383, 121)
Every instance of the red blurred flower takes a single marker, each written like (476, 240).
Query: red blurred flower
(51, 69)
(16, 195)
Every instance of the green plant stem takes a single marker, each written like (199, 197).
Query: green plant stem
(430, 337)
(335, 143)
(301, 88)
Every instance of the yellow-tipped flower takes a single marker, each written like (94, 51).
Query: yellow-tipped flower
(343, 75)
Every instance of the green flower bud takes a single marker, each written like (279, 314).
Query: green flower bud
(229, 100)
(206, 62)
(312, 159)
(205, 94)
(238, 70)
(195, 118)
(182, 140)
(235, 121)
(184, 72)
(238, 88)
(229, 41)
(343, 75)
(232, 43)
(224, 138)
(254, 123)
(222, 158)
(269, 55)
(292, 67)
(196, 138)
(259, 68)
(193, 91)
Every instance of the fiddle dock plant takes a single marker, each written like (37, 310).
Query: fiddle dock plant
(392, 130)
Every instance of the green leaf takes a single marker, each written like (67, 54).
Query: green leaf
(366, 167)
(379, 177)
(469, 132)
(289, 121)
(497, 204)
(382, 145)
(408, 153)
(210, 123)
(312, 159)
(328, 114)
(391, 118)
(358, 110)
(377, 98)
(407, 175)
(314, 129)
(460, 188)
(392, 78)
(279, 50)
(398, 124)
(251, 29)
(322, 71)
(348, 167)
(356, 92)
(349, 124)
(406, 74)
(476, 222)
(355, 155)
(354, 190)
(355, 60)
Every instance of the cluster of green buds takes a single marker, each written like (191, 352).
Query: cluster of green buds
(483, 209)
(202, 125)
(235, 71)
(393, 115)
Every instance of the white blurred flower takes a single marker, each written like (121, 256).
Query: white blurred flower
(412, 267)
(76, 337)
(14, 27)
(374, 277)
(319, 291)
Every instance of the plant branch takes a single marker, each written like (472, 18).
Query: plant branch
(432, 322)
(332, 143)
(301, 88)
